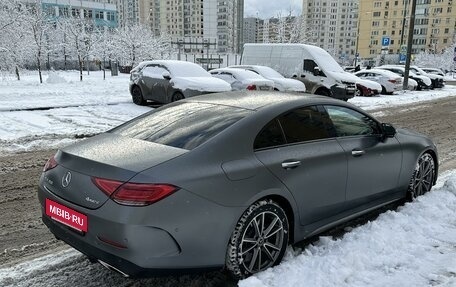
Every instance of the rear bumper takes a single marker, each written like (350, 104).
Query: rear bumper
(169, 237)
(125, 267)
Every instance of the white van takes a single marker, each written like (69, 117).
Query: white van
(312, 65)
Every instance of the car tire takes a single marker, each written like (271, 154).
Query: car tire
(177, 96)
(259, 239)
(384, 92)
(422, 178)
(137, 96)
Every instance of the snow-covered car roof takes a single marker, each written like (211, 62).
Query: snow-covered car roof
(240, 74)
(382, 72)
(263, 70)
(178, 68)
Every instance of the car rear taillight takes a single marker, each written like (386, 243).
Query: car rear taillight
(251, 87)
(50, 164)
(392, 81)
(134, 194)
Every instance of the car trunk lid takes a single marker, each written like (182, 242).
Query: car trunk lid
(107, 156)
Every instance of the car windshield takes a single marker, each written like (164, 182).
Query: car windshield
(185, 69)
(182, 125)
(268, 72)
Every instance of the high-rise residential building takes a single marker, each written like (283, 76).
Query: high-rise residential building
(332, 25)
(435, 22)
(198, 24)
(251, 30)
(128, 11)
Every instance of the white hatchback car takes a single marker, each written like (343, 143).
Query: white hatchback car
(389, 81)
(241, 79)
(280, 82)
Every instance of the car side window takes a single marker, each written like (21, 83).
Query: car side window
(303, 124)
(271, 135)
(154, 72)
(348, 122)
(227, 77)
(309, 65)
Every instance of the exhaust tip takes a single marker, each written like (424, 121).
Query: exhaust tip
(112, 268)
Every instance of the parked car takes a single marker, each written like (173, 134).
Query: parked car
(280, 82)
(389, 81)
(166, 81)
(242, 79)
(367, 88)
(423, 81)
(434, 71)
(309, 64)
(437, 80)
(169, 190)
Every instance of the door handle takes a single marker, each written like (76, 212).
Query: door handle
(357, 152)
(291, 164)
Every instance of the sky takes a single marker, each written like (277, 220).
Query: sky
(271, 8)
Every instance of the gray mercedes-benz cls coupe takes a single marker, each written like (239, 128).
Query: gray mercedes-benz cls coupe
(227, 180)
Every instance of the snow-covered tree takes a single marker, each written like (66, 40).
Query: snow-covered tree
(137, 43)
(39, 25)
(443, 60)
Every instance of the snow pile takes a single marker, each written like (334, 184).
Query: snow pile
(413, 246)
(55, 78)
(402, 98)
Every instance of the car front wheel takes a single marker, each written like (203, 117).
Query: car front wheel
(137, 96)
(423, 176)
(259, 240)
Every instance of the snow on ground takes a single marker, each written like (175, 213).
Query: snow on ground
(62, 109)
(412, 246)
(402, 98)
(55, 113)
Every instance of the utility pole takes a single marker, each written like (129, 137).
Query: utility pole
(409, 45)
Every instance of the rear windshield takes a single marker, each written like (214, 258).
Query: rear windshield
(182, 125)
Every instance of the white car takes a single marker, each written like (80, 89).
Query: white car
(437, 80)
(423, 81)
(368, 88)
(389, 81)
(280, 82)
(241, 79)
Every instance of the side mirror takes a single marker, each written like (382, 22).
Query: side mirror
(388, 130)
(166, 76)
(316, 71)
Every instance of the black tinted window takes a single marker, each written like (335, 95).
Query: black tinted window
(182, 125)
(309, 65)
(348, 122)
(303, 124)
(271, 135)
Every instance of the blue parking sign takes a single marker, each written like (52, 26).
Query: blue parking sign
(386, 41)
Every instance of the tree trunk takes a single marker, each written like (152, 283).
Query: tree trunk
(39, 67)
(104, 70)
(17, 73)
(80, 67)
(88, 69)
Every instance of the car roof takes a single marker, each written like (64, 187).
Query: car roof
(379, 71)
(239, 72)
(256, 100)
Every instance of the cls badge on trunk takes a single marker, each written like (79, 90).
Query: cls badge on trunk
(66, 179)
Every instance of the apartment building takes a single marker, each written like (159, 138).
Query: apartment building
(197, 24)
(435, 22)
(101, 12)
(332, 25)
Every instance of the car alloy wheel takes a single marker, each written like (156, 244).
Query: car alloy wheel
(423, 176)
(259, 240)
(137, 96)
